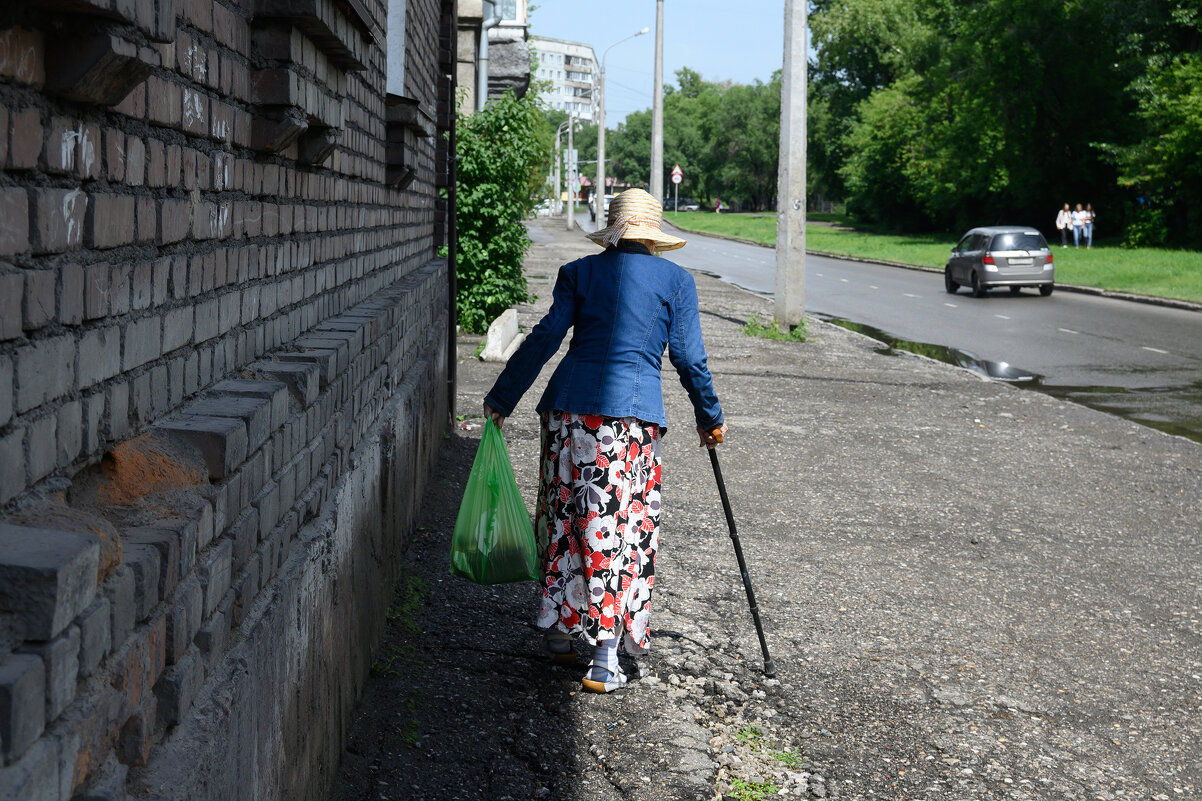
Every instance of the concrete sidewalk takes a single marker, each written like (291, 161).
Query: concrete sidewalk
(971, 591)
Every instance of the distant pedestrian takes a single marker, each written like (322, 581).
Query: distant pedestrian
(1064, 221)
(1078, 225)
(1089, 218)
(602, 415)
(717, 205)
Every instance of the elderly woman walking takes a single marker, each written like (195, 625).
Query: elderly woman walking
(602, 421)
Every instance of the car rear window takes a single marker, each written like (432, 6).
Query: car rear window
(1027, 240)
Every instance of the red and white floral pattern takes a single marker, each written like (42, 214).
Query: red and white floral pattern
(598, 526)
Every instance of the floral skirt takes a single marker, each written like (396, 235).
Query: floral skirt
(598, 526)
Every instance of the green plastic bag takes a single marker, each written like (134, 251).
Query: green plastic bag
(493, 541)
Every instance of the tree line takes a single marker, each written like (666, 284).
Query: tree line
(943, 114)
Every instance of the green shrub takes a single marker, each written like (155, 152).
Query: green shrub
(500, 152)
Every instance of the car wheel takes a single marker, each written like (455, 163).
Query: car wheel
(948, 284)
(1045, 289)
(978, 291)
(1014, 290)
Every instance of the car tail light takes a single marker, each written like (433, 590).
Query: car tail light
(988, 259)
(1047, 259)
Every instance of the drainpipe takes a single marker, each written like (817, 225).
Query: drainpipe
(492, 20)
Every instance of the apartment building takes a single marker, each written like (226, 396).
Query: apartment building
(571, 68)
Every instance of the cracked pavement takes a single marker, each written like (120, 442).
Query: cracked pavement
(970, 590)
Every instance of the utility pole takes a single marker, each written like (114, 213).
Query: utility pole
(599, 189)
(791, 178)
(571, 173)
(657, 114)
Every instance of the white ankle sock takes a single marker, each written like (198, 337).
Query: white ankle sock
(605, 655)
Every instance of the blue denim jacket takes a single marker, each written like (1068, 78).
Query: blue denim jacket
(624, 306)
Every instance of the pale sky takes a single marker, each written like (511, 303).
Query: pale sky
(735, 40)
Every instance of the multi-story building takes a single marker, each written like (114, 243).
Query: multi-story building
(571, 69)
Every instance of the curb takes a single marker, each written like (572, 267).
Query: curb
(1151, 300)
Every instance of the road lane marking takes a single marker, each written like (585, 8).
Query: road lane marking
(1001, 317)
(951, 305)
(908, 295)
(870, 286)
(844, 280)
(1155, 350)
(1067, 331)
(820, 275)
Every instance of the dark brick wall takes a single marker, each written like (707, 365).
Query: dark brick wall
(214, 298)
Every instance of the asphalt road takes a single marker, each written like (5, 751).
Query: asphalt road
(1135, 359)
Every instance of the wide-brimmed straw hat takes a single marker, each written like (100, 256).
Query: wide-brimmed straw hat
(635, 214)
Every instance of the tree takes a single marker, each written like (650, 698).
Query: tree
(501, 154)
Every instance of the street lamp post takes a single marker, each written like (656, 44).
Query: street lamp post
(571, 172)
(558, 162)
(599, 189)
(657, 109)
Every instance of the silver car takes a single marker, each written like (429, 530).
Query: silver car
(1000, 256)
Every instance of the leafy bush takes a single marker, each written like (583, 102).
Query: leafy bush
(500, 151)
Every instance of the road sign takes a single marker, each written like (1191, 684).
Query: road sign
(677, 172)
(676, 178)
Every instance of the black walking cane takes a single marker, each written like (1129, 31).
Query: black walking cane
(769, 668)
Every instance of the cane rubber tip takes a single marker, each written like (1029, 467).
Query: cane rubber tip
(770, 669)
(717, 434)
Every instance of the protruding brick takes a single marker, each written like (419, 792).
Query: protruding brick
(256, 412)
(47, 577)
(221, 440)
(301, 379)
(22, 704)
(60, 658)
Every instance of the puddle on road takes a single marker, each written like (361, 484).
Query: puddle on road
(1173, 410)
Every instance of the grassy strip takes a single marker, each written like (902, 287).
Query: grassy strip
(1143, 271)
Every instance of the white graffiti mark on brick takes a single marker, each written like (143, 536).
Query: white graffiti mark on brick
(87, 150)
(196, 57)
(67, 149)
(221, 129)
(192, 109)
(219, 220)
(74, 229)
(17, 58)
